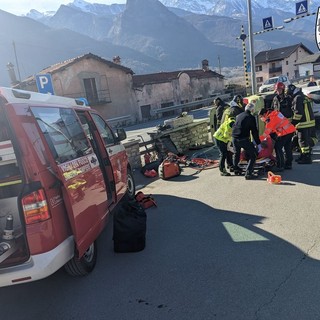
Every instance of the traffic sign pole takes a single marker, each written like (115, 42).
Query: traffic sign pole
(299, 17)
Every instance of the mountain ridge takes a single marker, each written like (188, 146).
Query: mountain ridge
(147, 35)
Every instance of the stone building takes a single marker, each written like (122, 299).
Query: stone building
(164, 89)
(122, 97)
(106, 85)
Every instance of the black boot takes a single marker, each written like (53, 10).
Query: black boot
(305, 159)
(237, 171)
(250, 176)
(288, 165)
(299, 158)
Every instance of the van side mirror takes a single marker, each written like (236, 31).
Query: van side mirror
(121, 134)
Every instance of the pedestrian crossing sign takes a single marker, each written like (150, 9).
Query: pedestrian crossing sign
(301, 7)
(267, 23)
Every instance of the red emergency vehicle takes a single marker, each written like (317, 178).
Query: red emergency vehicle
(62, 171)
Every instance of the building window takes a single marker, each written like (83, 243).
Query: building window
(146, 111)
(259, 79)
(91, 90)
(287, 63)
(258, 68)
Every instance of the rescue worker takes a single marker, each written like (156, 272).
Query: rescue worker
(279, 126)
(311, 82)
(223, 136)
(236, 107)
(312, 141)
(220, 106)
(245, 125)
(282, 102)
(303, 119)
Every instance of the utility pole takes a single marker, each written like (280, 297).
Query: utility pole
(15, 54)
(219, 63)
(253, 65)
(243, 37)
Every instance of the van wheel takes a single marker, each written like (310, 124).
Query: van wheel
(84, 265)
(131, 187)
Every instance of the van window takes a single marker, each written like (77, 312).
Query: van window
(104, 130)
(63, 133)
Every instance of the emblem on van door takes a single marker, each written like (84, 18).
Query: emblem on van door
(93, 160)
(78, 166)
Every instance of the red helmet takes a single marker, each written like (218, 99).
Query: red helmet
(279, 85)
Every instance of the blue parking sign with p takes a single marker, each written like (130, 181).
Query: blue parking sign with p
(44, 83)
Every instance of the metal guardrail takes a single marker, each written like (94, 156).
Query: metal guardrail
(115, 121)
(128, 117)
(203, 102)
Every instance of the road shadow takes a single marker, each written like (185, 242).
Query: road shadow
(199, 263)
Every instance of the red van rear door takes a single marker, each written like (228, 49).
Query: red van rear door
(84, 188)
(115, 152)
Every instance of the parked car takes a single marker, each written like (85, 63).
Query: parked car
(313, 93)
(269, 84)
(62, 171)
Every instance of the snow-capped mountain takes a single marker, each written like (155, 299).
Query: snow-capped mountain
(97, 8)
(153, 35)
(36, 15)
(231, 8)
(234, 7)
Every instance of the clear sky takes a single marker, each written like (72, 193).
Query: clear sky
(19, 7)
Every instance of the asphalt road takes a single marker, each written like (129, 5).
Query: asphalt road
(217, 248)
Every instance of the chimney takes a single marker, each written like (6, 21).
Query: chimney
(205, 65)
(117, 59)
(12, 74)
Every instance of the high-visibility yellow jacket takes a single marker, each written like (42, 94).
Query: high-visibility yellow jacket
(224, 131)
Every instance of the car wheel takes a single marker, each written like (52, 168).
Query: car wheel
(131, 187)
(84, 265)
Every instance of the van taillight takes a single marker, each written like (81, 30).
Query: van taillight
(35, 207)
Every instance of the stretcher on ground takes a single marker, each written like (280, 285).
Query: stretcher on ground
(262, 165)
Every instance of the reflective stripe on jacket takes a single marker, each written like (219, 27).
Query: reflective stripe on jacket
(302, 112)
(277, 123)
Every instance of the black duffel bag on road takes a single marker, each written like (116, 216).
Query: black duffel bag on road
(129, 227)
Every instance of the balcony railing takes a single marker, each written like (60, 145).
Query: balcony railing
(103, 97)
(275, 70)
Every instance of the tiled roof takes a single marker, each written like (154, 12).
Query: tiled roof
(61, 65)
(161, 77)
(278, 54)
(313, 58)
